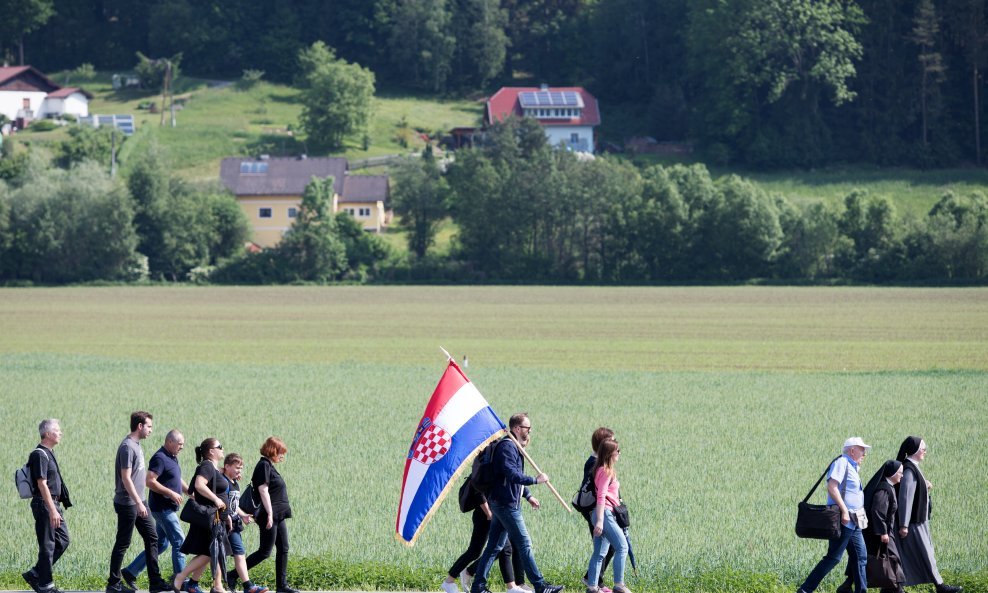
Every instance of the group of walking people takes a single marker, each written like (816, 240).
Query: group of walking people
(499, 529)
(215, 484)
(890, 514)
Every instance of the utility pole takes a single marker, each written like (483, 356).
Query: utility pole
(113, 152)
(164, 88)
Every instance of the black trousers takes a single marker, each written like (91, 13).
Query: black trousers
(276, 537)
(51, 542)
(607, 557)
(511, 567)
(127, 519)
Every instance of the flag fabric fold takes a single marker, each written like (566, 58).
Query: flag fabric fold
(457, 423)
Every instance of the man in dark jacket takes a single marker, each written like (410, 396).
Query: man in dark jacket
(511, 484)
(46, 505)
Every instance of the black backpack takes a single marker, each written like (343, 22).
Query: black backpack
(485, 476)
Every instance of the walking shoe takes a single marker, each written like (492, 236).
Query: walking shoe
(161, 587)
(119, 587)
(31, 577)
(845, 587)
(945, 588)
(191, 586)
(593, 590)
(516, 589)
(287, 589)
(51, 589)
(129, 579)
(466, 579)
(621, 589)
(250, 587)
(449, 587)
(526, 587)
(215, 590)
(552, 588)
(604, 589)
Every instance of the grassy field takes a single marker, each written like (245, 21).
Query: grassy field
(727, 402)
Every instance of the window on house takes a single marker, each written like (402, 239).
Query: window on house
(292, 212)
(574, 138)
(26, 103)
(264, 213)
(350, 211)
(365, 212)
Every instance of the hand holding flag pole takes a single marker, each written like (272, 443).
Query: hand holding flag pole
(539, 471)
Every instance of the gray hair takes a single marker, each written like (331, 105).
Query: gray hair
(47, 425)
(172, 436)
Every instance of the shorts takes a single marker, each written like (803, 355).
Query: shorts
(237, 544)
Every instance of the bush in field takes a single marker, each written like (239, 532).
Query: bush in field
(250, 79)
(69, 226)
(952, 242)
(88, 143)
(336, 98)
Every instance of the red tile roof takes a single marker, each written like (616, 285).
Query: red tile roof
(504, 103)
(65, 92)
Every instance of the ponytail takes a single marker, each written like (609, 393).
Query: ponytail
(198, 454)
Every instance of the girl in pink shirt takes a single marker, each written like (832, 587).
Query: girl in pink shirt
(606, 531)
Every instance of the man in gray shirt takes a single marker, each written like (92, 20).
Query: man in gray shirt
(129, 475)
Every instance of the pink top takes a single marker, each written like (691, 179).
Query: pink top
(607, 489)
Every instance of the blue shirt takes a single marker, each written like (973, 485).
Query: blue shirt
(845, 472)
(169, 473)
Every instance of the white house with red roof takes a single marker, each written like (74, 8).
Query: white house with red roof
(26, 94)
(568, 114)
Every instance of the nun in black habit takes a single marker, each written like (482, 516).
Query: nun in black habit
(915, 545)
(880, 504)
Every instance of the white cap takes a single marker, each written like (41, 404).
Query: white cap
(856, 442)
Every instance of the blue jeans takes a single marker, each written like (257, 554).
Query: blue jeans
(169, 532)
(237, 544)
(612, 536)
(507, 524)
(852, 540)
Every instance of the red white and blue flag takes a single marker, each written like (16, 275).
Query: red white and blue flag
(457, 423)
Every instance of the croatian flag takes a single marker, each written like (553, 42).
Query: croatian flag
(457, 423)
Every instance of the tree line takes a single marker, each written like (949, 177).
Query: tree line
(767, 83)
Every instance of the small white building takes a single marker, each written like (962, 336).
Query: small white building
(567, 114)
(26, 94)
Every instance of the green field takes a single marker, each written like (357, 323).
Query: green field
(727, 401)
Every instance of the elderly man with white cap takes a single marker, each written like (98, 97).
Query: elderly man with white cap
(845, 490)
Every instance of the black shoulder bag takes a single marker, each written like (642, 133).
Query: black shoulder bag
(196, 513)
(818, 521)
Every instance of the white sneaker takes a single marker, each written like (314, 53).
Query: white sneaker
(527, 587)
(517, 589)
(466, 579)
(449, 587)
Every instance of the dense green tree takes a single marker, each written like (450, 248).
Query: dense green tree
(70, 226)
(480, 42)
(87, 143)
(337, 98)
(926, 34)
(952, 243)
(875, 244)
(419, 198)
(311, 251)
(422, 42)
(967, 23)
(365, 252)
(811, 239)
(21, 17)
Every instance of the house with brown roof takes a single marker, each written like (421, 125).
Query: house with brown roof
(568, 114)
(26, 95)
(269, 191)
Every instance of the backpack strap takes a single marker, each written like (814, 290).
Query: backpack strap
(813, 489)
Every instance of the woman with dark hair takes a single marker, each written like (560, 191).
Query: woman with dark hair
(209, 488)
(274, 510)
(606, 532)
(880, 504)
(915, 544)
(599, 436)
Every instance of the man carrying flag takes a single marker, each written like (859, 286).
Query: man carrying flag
(504, 499)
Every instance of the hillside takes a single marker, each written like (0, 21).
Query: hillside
(216, 120)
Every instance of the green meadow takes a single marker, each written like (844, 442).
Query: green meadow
(728, 403)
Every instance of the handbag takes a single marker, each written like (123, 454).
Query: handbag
(621, 516)
(249, 502)
(817, 521)
(468, 496)
(880, 571)
(198, 514)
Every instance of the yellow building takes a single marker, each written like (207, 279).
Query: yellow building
(269, 190)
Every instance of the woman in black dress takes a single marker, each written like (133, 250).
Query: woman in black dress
(273, 512)
(208, 488)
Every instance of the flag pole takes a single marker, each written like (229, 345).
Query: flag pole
(536, 468)
(449, 357)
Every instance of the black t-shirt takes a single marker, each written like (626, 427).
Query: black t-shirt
(265, 473)
(215, 481)
(42, 465)
(232, 500)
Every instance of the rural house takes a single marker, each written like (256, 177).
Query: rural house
(568, 114)
(26, 94)
(269, 190)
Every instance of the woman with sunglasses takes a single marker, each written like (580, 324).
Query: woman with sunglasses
(209, 488)
(606, 533)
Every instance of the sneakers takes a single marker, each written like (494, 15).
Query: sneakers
(51, 589)
(449, 587)
(129, 579)
(160, 587)
(552, 588)
(516, 589)
(945, 588)
(31, 578)
(621, 589)
(120, 587)
(252, 588)
(593, 590)
(287, 589)
(191, 586)
(466, 579)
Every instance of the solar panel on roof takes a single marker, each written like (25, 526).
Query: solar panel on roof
(550, 99)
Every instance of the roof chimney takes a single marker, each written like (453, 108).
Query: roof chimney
(543, 87)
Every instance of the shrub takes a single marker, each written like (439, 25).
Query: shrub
(250, 79)
(43, 125)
